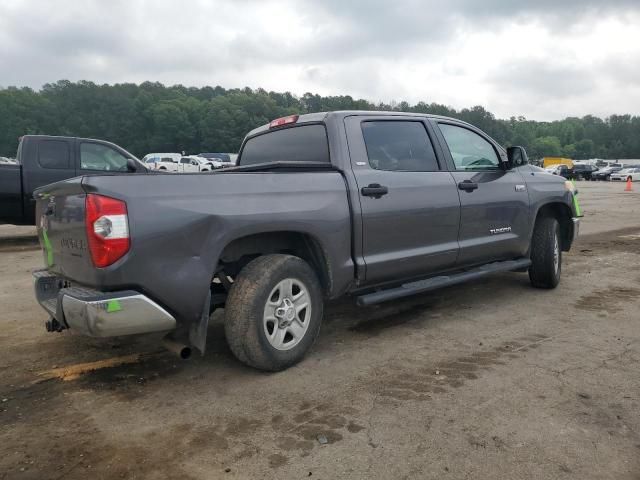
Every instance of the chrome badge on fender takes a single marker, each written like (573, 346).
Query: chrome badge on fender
(495, 231)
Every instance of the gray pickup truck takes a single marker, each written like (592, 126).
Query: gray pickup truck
(374, 205)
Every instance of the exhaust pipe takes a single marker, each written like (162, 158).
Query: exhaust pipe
(180, 349)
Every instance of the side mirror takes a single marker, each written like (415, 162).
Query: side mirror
(132, 166)
(516, 157)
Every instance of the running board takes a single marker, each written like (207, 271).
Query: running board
(421, 286)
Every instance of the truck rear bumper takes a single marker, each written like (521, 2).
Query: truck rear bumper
(576, 228)
(99, 314)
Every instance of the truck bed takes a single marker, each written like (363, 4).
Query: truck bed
(178, 227)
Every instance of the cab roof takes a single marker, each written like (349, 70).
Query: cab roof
(340, 114)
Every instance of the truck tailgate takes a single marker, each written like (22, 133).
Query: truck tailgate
(10, 193)
(60, 214)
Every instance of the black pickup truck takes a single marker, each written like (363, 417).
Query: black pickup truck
(370, 204)
(42, 160)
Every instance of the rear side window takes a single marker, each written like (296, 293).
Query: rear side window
(307, 143)
(400, 146)
(53, 154)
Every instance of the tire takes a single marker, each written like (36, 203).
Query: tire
(546, 254)
(259, 325)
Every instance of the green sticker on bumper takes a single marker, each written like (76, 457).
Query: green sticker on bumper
(113, 306)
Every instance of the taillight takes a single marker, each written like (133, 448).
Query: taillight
(278, 122)
(107, 229)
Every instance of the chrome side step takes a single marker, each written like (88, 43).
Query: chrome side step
(422, 286)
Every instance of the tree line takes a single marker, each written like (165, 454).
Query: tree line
(151, 117)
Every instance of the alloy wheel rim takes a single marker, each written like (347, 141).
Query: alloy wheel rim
(287, 314)
(556, 254)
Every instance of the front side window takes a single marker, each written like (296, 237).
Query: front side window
(306, 143)
(53, 154)
(399, 145)
(94, 156)
(469, 150)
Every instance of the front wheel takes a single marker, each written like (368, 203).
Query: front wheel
(273, 312)
(546, 254)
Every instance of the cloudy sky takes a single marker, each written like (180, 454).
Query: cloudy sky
(544, 59)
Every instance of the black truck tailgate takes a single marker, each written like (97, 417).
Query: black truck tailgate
(10, 193)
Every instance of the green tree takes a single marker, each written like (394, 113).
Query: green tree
(546, 147)
(153, 117)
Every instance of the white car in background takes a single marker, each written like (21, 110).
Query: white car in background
(626, 174)
(151, 160)
(220, 160)
(185, 164)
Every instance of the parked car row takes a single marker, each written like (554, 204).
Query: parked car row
(187, 164)
(583, 171)
(605, 173)
(179, 162)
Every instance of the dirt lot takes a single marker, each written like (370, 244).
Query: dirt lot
(492, 379)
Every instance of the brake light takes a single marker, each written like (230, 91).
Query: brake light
(278, 122)
(107, 229)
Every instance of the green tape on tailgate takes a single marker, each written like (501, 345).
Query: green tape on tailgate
(47, 247)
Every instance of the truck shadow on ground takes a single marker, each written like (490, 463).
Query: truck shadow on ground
(343, 319)
(19, 243)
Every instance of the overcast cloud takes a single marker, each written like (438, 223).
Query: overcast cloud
(544, 59)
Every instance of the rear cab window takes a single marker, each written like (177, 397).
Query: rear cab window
(302, 143)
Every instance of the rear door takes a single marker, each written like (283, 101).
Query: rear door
(45, 161)
(494, 220)
(409, 202)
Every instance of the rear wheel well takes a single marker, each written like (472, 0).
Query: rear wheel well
(241, 251)
(562, 213)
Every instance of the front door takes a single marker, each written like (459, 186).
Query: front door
(410, 209)
(494, 201)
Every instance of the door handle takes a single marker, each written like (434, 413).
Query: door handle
(374, 190)
(468, 185)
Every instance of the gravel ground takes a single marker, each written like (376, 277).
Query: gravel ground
(492, 379)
